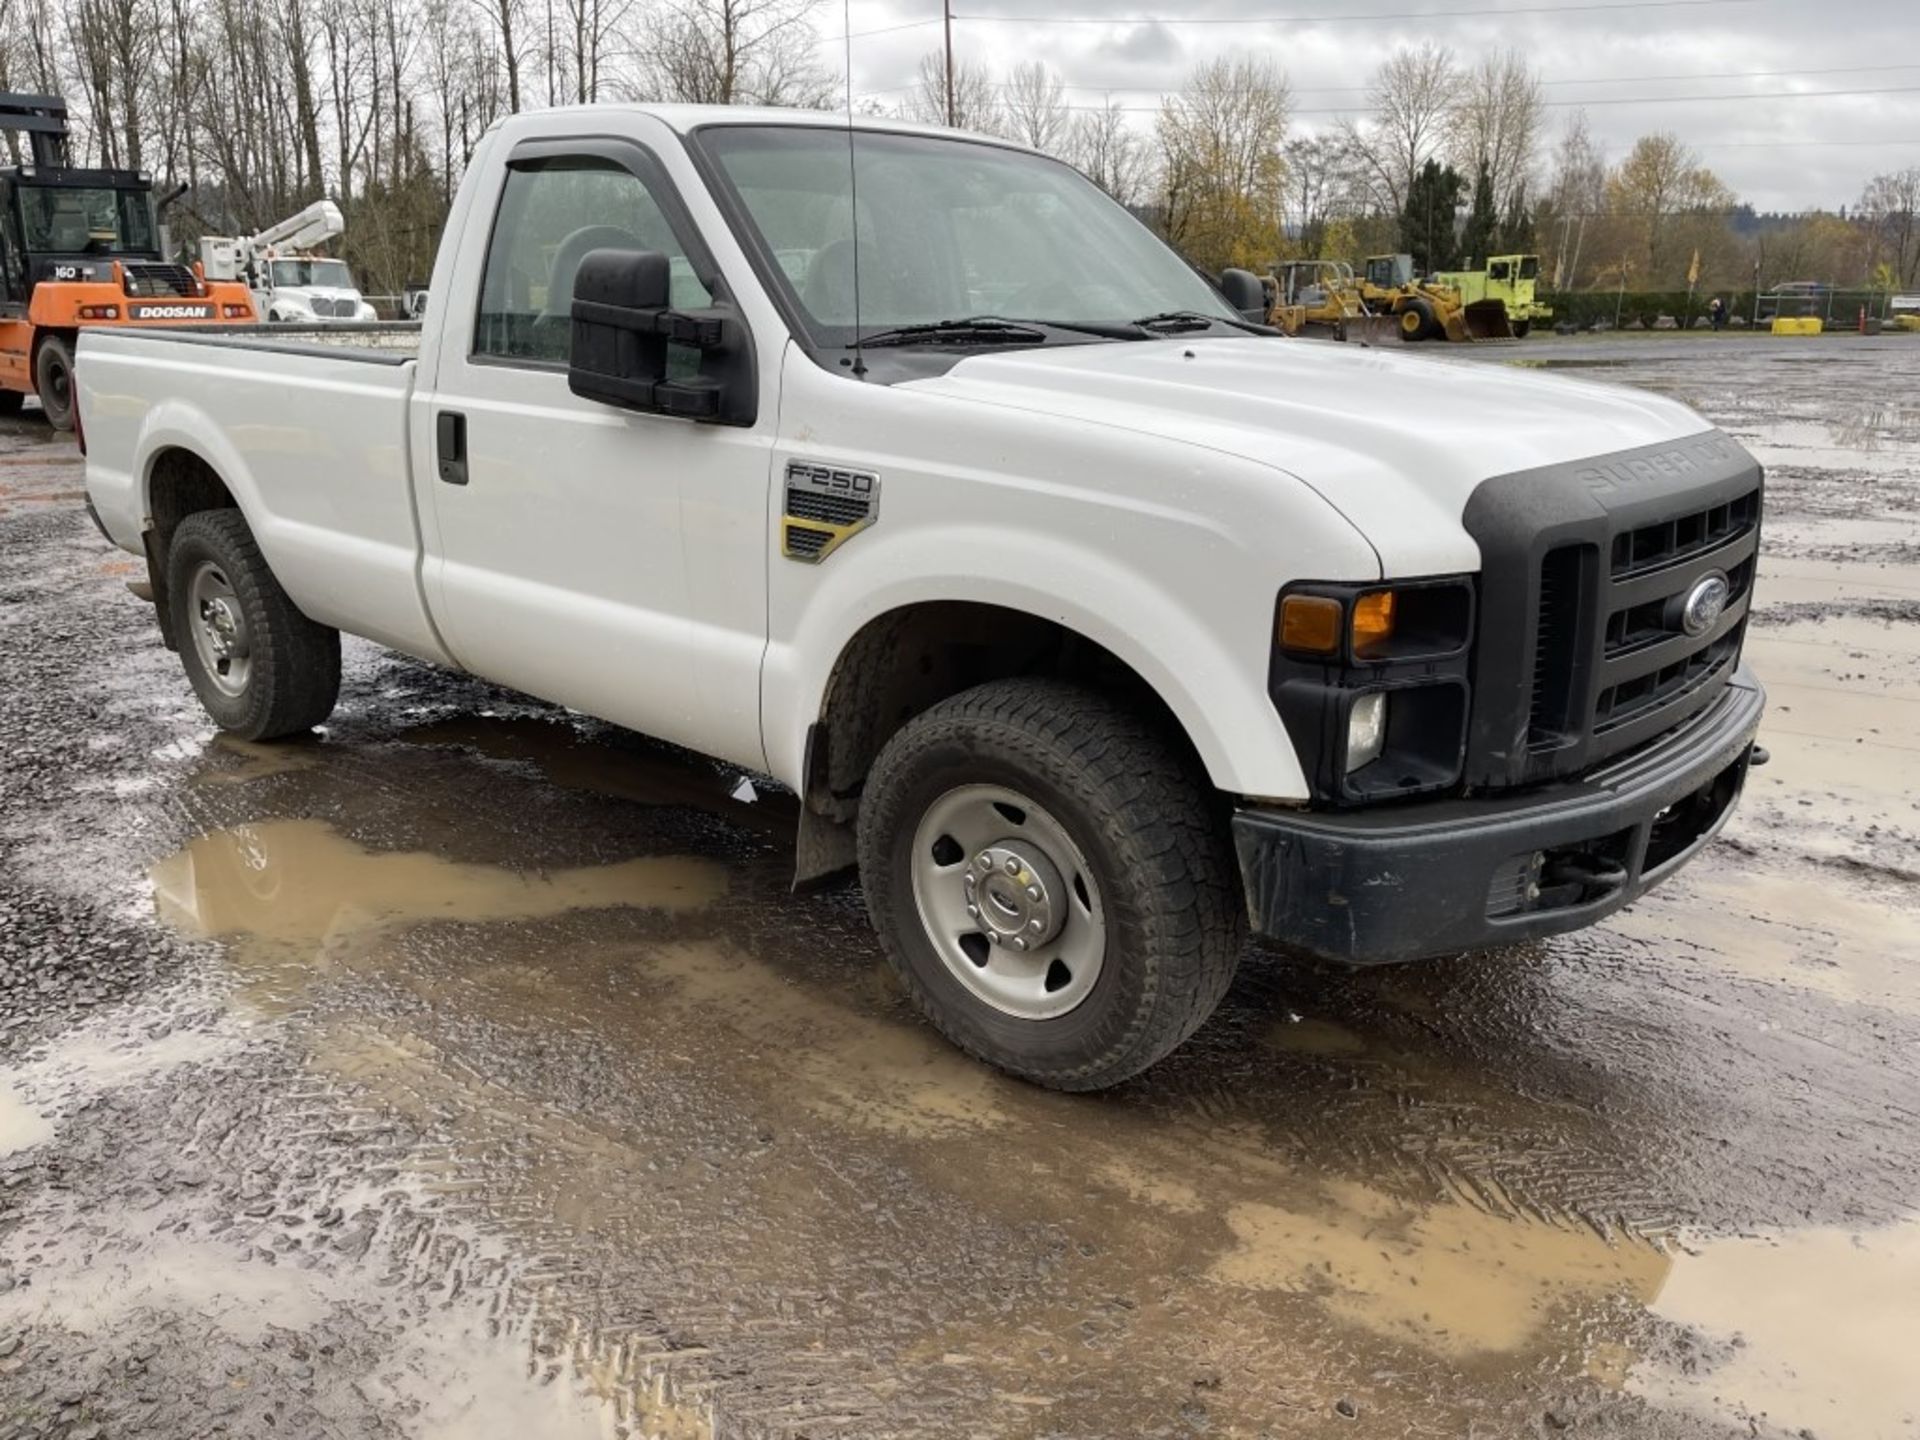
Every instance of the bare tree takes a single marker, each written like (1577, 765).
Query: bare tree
(1221, 163)
(1496, 124)
(734, 52)
(1411, 101)
(506, 18)
(1320, 186)
(1036, 113)
(976, 103)
(1890, 206)
(1111, 153)
(1575, 198)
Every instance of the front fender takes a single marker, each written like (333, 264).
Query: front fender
(1212, 678)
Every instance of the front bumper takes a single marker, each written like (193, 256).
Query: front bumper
(1373, 886)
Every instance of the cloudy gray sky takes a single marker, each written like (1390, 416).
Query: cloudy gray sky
(1776, 152)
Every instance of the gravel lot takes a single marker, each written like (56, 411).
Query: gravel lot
(468, 1072)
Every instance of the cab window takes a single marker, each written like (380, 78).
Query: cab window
(551, 215)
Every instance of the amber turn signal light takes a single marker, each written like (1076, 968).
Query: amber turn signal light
(1372, 622)
(1310, 624)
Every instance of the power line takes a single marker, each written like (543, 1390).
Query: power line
(882, 30)
(1346, 19)
(1363, 89)
(1615, 100)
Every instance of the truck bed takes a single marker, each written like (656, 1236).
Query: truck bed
(306, 426)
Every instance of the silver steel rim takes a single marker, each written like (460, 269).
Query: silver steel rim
(220, 630)
(1008, 901)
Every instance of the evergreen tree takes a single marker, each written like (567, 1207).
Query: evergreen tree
(1516, 230)
(1427, 220)
(1483, 221)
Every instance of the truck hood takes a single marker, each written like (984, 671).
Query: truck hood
(1395, 441)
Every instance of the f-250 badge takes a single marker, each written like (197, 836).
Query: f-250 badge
(825, 507)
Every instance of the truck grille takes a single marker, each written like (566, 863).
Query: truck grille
(145, 277)
(334, 309)
(1584, 650)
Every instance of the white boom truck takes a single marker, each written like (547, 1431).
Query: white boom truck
(1092, 623)
(289, 285)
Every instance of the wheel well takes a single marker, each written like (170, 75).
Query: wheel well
(179, 484)
(908, 660)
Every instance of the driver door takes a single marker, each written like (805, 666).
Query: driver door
(559, 565)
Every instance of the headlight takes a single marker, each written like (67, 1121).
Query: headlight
(367, 312)
(1366, 730)
(1372, 680)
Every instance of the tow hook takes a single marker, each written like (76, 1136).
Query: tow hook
(1590, 872)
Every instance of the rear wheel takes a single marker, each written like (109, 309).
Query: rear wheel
(53, 379)
(1049, 881)
(260, 667)
(1521, 328)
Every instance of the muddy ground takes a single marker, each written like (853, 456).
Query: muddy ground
(467, 1072)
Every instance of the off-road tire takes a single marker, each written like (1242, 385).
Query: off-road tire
(53, 375)
(294, 674)
(1154, 839)
(1425, 326)
(1522, 329)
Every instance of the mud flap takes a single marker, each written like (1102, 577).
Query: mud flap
(156, 551)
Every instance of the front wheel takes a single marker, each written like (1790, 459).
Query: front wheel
(260, 667)
(53, 379)
(1522, 328)
(1050, 882)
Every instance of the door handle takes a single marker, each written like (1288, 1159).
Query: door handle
(450, 446)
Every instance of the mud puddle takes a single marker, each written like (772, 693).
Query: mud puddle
(1841, 1366)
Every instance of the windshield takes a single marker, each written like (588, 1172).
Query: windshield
(948, 229)
(330, 273)
(82, 220)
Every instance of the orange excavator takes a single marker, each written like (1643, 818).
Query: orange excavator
(82, 247)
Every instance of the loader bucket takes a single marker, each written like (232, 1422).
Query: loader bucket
(1487, 320)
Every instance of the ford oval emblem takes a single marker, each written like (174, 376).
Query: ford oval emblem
(1705, 603)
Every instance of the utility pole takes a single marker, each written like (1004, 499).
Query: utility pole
(946, 10)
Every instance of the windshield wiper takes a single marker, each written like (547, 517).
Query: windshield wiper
(992, 330)
(1175, 322)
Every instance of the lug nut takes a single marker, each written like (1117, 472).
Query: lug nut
(993, 936)
(1036, 926)
(1013, 866)
(974, 911)
(1034, 892)
(1019, 942)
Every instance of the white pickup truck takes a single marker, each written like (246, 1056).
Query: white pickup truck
(1093, 623)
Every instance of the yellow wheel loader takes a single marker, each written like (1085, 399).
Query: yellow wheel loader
(1428, 309)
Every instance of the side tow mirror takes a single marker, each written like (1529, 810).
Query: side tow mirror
(1245, 293)
(625, 336)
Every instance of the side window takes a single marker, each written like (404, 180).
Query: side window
(550, 216)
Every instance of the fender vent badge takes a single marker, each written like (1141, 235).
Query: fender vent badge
(824, 508)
